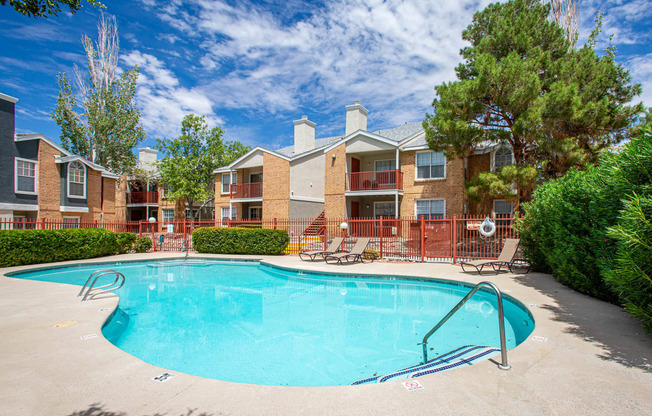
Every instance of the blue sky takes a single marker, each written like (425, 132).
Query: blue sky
(252, 67)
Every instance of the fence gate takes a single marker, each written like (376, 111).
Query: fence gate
(438, 238)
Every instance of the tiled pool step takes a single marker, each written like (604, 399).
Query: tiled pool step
(465, 355)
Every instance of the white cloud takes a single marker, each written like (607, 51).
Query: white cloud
(162, 100)
(389, 54)
(641, 70)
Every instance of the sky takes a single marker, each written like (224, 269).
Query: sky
(252, 67)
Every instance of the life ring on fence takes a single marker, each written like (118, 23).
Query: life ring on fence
(487, 228)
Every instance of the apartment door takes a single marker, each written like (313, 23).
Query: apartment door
(355, 209)
(355, 179)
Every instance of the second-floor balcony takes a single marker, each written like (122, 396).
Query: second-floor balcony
(374, 180)
(145, 197)
(247, 190)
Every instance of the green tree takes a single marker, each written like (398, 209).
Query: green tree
(522, 84)
(107, 127)
(189, 161)
(44, 8)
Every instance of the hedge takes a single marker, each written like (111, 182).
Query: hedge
(18, 247)
(142, 244)
(126, 241)
(221, 240)
(593, 229)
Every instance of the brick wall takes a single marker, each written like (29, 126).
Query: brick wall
(335, 182)
(276, 187)
(222, 200)
(109, 204)
(93, 196)
(49, 190)
(451, 188)
(120, 199)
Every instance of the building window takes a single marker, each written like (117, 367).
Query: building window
(430, 209)
(502, 158)
(225, 215)
(503, 209)
(255, 213)
(168, 216)
(431, 165)
(76, 180)
(384, 210)
(165, 191)
(227, 180)
(382, 165)
(70, 222)
(25, 176)
(256, 178)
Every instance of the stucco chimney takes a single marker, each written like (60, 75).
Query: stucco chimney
(356, 117)
(304, 135)
(147, 158)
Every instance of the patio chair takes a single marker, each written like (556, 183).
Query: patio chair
(334, 247)
(506, 258)
(352, 256)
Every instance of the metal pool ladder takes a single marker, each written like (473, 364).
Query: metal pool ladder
(92, 291)
(501, 323)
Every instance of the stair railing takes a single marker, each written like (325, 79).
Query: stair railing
(504, 365)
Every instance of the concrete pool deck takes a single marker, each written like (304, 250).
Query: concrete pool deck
(585, 357)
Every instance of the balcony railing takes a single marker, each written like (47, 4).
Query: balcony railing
(148, 197)
(247, 190)
(374, 180)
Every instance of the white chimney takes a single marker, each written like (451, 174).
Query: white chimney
(356, 117)
(304, 135)
(147, 158)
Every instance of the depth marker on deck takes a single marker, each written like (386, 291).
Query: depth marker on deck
(163, 377)
(412, 385)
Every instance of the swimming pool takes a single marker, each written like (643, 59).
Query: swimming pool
(254, 323)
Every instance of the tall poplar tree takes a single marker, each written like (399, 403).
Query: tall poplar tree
(99, 120)
(522, 84)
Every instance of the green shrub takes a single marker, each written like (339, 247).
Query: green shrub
(239, 240)
(564, 231)
(630, 272)
(18, 247)
(591, 229)
(142, 244)
(126, 241)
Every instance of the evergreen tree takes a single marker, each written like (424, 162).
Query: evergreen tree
(522, 84)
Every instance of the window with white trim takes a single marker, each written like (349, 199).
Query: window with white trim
(225, 215)
(382, 165)
(430, 165)
(385, 209)
(25, 176)
(76, 180)
(70, 222)
(227, 180)
(430, 209)
(503, 157)
(168, 216)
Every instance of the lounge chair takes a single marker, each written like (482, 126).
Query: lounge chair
(334, 247)
(352, 256)
(507, 258)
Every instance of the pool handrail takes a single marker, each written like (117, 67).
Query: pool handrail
(501, 323)
(111, 287)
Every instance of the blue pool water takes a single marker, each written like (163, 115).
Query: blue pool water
(251, 323)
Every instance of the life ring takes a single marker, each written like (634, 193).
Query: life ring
(487, 228)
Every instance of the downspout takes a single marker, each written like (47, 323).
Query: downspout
(230, 202)
(398, 169)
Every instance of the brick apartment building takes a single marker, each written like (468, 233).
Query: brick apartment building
(146, 198)
(387, 173)
(41, 180)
